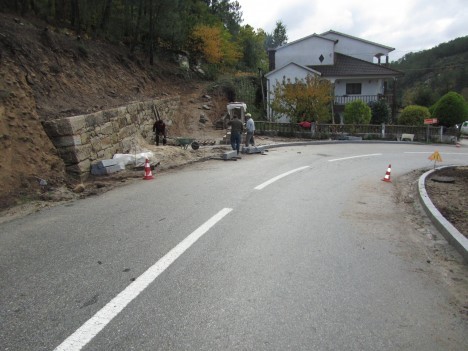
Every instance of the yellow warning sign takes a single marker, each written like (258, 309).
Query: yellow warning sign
(435, 157)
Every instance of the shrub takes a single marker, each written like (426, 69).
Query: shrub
(450, 109)
(414, 115)
(357, 112)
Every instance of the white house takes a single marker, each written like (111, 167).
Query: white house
(353, 66)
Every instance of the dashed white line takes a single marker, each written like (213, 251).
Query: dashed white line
(272, 180)
(95, 324)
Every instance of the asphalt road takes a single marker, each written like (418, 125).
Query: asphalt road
(301, 249)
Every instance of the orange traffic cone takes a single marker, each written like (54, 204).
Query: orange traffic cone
(148, 173)
(387, 175)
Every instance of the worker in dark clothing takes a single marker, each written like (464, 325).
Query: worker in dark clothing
(236, 133)
(159, 128)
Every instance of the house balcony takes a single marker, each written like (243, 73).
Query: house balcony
(344, 99)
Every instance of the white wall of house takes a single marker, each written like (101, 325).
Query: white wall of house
(306, 52)
(357, 48)
(369, 86)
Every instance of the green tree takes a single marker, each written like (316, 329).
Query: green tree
(303, 99)
(357, 112)
(228, 12)
(424, 96)
(254, 56)
(278, 37)
(414, 115)
(450, 109)
(380, 112)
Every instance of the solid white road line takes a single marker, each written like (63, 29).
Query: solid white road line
(272, 180)
(95, 324)
(442, 153)
(348, 158)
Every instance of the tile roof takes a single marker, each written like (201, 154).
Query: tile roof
(347, 66)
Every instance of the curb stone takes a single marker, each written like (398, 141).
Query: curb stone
(450, 233)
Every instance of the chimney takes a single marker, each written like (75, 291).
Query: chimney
(271, 59)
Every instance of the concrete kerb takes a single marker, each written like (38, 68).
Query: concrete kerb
(450, 233)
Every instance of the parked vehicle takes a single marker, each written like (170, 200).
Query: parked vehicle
(464, 128)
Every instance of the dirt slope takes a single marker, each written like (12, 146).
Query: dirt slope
(47, 73)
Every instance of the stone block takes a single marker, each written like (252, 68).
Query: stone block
(108, 115)
(69, 140)
(253, 149)
(96, 143)
(107, 128)
(94, 119)
(133, 108)
(120, 122)
(64, 127)
(127, 132)
(126, 145)
(80, 169)
(71, 125)
(85, 138)
(75, 154)
(230, 155)
(107, 141)
(104, 167)
(51, 129)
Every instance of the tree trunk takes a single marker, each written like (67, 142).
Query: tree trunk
(59, 10)
(137, 28)
(151, 33)
(106, 15)
(75, 16)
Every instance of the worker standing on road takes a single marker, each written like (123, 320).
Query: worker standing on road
(236, 133)
(250, 126)
(159, 128)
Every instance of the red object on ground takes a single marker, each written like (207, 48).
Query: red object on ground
(387, 175)
(305, 124)
(148, 173)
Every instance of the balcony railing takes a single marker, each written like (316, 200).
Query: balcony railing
(344, 99)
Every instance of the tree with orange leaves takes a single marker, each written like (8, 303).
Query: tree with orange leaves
(304, 99)
(215, 45)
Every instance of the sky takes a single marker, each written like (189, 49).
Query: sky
(406, 25)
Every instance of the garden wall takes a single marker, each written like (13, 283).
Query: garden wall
(82, 140)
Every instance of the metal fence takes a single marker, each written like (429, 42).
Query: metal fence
(365, 131)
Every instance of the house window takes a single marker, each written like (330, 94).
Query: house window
(353, 88)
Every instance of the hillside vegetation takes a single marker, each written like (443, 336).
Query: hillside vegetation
(432, 73)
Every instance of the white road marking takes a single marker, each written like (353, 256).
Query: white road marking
(348, 158)
(442, 153)
(95, 324)
(418, 152)
(272, 180)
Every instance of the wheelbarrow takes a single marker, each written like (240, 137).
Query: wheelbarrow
(185, 142)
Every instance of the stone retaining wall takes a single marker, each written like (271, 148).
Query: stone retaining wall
(82, 140)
